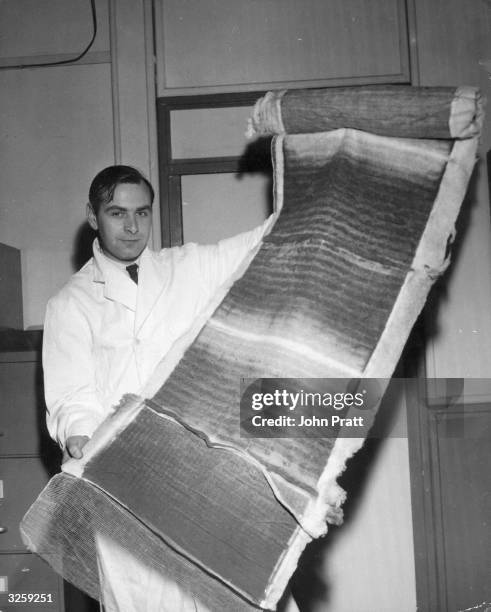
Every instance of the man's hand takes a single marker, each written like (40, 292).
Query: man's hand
(73, 447)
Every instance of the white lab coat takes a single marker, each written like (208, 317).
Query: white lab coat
(103, 337)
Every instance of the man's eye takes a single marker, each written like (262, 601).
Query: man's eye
(143, 213)
(116, 213)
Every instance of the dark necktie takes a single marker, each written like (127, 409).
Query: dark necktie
(133, 272)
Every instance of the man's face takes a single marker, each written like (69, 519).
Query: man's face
(124, 224)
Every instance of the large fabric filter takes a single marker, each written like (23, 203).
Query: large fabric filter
(369, 182)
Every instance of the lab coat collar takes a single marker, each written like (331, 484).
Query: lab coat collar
(118, 285)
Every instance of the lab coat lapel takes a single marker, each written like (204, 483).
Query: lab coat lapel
(120, 288)
(118, 285)
(151, 281)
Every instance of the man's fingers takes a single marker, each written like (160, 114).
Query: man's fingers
(74, 446)
(75, 451)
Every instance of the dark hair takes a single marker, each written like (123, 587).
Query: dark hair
(105, 182)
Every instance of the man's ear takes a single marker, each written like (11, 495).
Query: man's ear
(91, 217)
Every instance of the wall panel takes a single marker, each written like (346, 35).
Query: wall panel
(230, 45)
(32, 29)
(453, 37)
(56, 126)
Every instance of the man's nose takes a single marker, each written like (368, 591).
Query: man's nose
(131, 224)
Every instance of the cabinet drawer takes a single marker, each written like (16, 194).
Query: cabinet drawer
(22, 481)
(27, 573)
(21, 408)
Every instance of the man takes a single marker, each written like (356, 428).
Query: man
(106, 331)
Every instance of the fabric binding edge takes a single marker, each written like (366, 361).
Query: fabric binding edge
(466, 113)
(266, 115)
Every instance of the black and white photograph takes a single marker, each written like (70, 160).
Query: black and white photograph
(245, 306)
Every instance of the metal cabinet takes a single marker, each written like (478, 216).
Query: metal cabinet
(27, 460)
